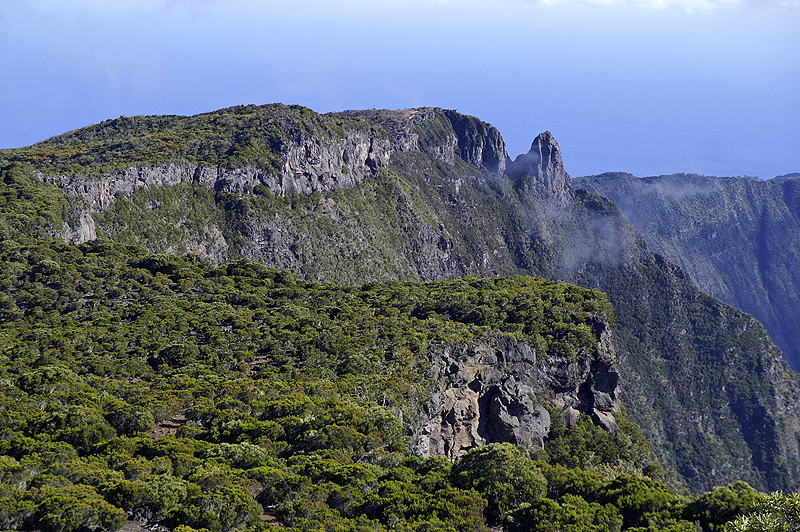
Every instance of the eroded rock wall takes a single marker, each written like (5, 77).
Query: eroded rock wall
(490, 391)
(309, 162)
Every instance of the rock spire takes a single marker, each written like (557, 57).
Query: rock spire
(540, 172)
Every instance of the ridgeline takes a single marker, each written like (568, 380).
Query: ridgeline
(185, 322)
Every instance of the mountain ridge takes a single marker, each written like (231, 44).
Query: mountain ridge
(700, 222)
(432, 214)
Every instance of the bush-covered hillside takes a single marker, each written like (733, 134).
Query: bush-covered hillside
(169, 391)
(701, 379)
(701, 222)
(242, 135)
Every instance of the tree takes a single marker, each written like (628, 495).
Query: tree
(714, 509)
(774, 513)
(571, 514)
(502, 474)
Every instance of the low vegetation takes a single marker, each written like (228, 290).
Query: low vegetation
(166, 389)
(242, 135)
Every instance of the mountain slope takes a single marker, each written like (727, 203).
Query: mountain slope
(738, 238)
(145, 392)
(701, 378)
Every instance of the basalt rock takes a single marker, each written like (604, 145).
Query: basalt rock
(540, 172)
(489, 391)
(311, 162)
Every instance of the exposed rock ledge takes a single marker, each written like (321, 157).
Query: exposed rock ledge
(488, 391)
(312, 164)
(309, 163)
(84, 230)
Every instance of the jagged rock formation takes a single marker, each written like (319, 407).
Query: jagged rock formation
(482, 395)
(587, 384)
(486, 392)
(541, 173)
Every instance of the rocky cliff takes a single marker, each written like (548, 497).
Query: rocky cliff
(317, 161)
(488, 392)
(308, 165)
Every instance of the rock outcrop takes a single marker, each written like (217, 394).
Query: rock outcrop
(540, 172)
(488, 391)
(100, 194)
(478, 143)
(311, 162)
(445, 134)
(84, 231)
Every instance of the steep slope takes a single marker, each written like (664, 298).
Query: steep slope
(155, 392)
(180, 393)
(738, 238)
(701, 378)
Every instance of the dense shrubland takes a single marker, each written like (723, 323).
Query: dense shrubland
(229, 397)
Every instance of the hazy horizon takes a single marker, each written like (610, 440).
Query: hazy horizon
(648, 87)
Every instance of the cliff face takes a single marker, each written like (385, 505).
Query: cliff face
(100, 194)
(738, 238)
(541, 173)
(486, 392)
(478, 143)
(310, 165)
(315, 162)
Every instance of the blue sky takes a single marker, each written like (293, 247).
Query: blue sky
(644, 86)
